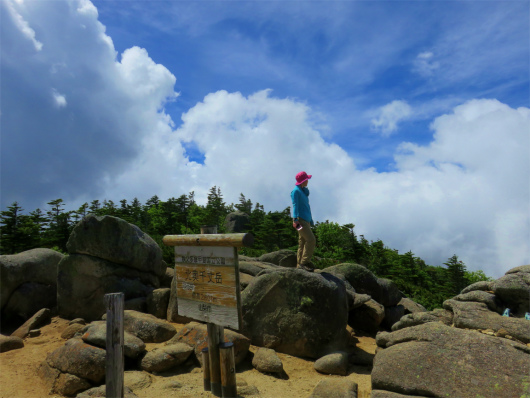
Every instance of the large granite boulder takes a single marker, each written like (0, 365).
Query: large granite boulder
(484, 286)
(360, 278)
(57, 382)
(39, 319)
(96, 334)
(477, 315)
(283, 258)
(393, 315)
(480, 296)
(8, 343)
(29, 298)
(30, 276)
(195, 334)
(147, 327)
(435, 360)
(117, 241)
(390, 294)
(367, 317)
(335, 363)
(513, 289)
(237, 221)
(83, 281)
(254, 267)
(266, 360)
(157, 302)
(288, 310)
(335, 388)
(107, 255)
(165, 358)
(101, 392)
(419, 318)
(411, 306)
(79, 359)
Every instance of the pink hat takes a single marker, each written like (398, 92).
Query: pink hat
(302, 177)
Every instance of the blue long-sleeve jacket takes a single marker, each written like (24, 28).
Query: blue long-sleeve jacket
(301, 208)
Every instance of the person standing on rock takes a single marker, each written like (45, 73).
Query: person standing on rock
(303, 221)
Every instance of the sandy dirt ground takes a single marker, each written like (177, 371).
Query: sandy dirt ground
(18, 378)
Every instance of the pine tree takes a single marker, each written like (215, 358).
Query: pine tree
(10, 233)
(216, 209)
(94, 207)
(244, 205)
(59, 226)
(456, 275)
(109, 208)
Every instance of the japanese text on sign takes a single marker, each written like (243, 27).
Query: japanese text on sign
(203, 260)
(203, 276)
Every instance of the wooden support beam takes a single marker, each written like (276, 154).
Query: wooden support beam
(228, 370)
(230, 240)
(215, 364)
(114, 357)
(206, 369)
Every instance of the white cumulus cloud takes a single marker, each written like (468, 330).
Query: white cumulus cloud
(464, 193)
(425, 64)
(60, 100)
(14, 9)
(389, 115)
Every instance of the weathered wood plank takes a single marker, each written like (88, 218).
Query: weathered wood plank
(208, 284)
(218, 295)
(206, 369)
(206, 312)
(228, 370)
(205, 255)
(206, 275)
(114, 345)
(227, 240)
(215, 363)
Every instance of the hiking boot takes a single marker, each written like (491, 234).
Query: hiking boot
(307, 267)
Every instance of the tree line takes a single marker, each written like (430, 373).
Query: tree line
(426, 284)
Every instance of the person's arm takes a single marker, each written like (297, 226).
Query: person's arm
(296, 215)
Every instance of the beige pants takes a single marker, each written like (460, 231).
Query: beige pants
(306, 243)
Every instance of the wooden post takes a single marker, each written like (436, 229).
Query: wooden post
(114, 355)
(214, 334)
(215, 361)
(228, 370)
(207, 276)
(206, 369)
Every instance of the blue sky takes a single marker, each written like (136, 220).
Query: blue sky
(344, 59)
(413, 116)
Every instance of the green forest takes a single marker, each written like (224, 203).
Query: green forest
(426, 284)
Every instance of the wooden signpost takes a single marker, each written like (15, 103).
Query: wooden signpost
(208, 284)
(207, 276)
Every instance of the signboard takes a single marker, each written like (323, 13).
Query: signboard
(208, 284)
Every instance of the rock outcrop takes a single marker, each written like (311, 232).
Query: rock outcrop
(28, 282)
(436, 360)
(96, 334)
(106, 255)
(196, 335)
(267, 361)
(237, 221)
(466, 349)
(165, 358)
(42, 317)
(513, 289)
(8, 343)
(288, 310)
(283, 258)
(147, 327)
